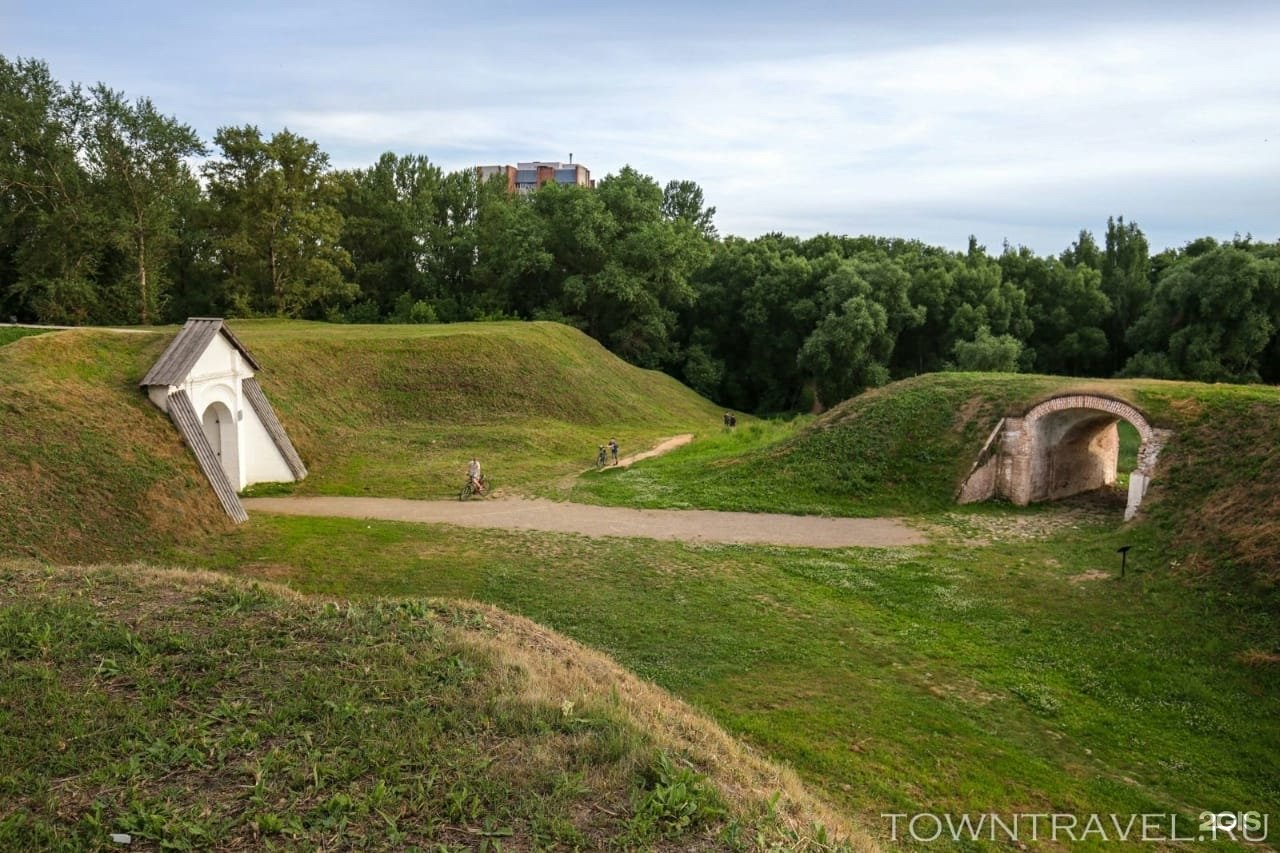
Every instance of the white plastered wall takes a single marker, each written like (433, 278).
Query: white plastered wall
(216, 378)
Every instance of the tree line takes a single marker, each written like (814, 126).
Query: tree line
(106, 218)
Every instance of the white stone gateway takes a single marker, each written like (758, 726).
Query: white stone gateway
(205, 382)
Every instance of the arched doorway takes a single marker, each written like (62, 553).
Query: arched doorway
(1074, 447)
(1061, 447)
(1076, 450)
(220, 429)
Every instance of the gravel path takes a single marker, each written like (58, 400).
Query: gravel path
(557, 517)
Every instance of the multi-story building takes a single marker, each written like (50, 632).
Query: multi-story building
(527, 177)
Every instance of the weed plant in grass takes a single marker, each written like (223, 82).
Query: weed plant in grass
(1012, 676)
(194, 712)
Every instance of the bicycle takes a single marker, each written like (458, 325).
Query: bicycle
(602, 458)
(478, 487)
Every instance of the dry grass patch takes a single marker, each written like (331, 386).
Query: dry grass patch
(193, 710)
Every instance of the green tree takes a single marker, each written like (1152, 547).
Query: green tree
(626, 267)
(683, 201)
(388, 213)
(277, 224)
(980, 296)
(988, 353)
(849, 349)
(515, 265)
(137, 162)
(1083, 252)
(1211, 318)
(1125, 271)
(52, 240)
(453, 247)
(1067, 309)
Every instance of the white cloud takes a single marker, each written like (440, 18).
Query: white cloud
(1031, 131)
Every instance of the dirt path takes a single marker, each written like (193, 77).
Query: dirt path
(664, 446)
(68, 328)
(567, 482)
(682, 525)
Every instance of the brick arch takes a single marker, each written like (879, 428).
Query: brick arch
(1092, 401)
(1062, 446)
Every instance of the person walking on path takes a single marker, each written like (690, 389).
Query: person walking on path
(613, 448)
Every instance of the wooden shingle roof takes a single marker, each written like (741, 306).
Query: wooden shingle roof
(177, 360)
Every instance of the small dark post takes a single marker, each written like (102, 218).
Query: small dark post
(1123, 551)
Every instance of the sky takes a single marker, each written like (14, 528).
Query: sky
(1011, 121)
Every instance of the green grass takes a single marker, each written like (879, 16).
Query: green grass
(1127, 459)
(898, 450)
(9, 334)
(1015, 676)
(94, 471)
(399, 410)
(193, 712)
(996, 670)
(91, 470)
(904, 449)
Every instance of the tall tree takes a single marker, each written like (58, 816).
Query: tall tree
(51, 239)
(683, 201)
(1083, 252)
(627, 267)
(850, 347)
(278, 226)
(388, 214)
(1067, 308)
(1125, 270)
(1211, 318)
(137, 160)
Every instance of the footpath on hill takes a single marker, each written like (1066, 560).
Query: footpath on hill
(587, 520)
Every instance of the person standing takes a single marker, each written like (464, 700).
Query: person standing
(613, 448)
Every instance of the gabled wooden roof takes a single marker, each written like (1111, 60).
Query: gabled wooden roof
(176, 362)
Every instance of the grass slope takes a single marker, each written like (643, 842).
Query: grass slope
(904, 450)
(91, 470)
(10, 334)
(900, 449)
(193, 711)
(399, 410)
(1004, 669)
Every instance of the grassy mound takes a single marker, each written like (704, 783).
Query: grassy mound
(904, 449)
(1004, 668)
(901, 449)
(192, 710)
(399, 410)
(91, 470)
(11, 334)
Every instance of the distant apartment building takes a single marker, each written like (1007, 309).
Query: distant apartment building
(527, 177)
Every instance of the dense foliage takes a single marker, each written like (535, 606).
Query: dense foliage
(104, 219)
